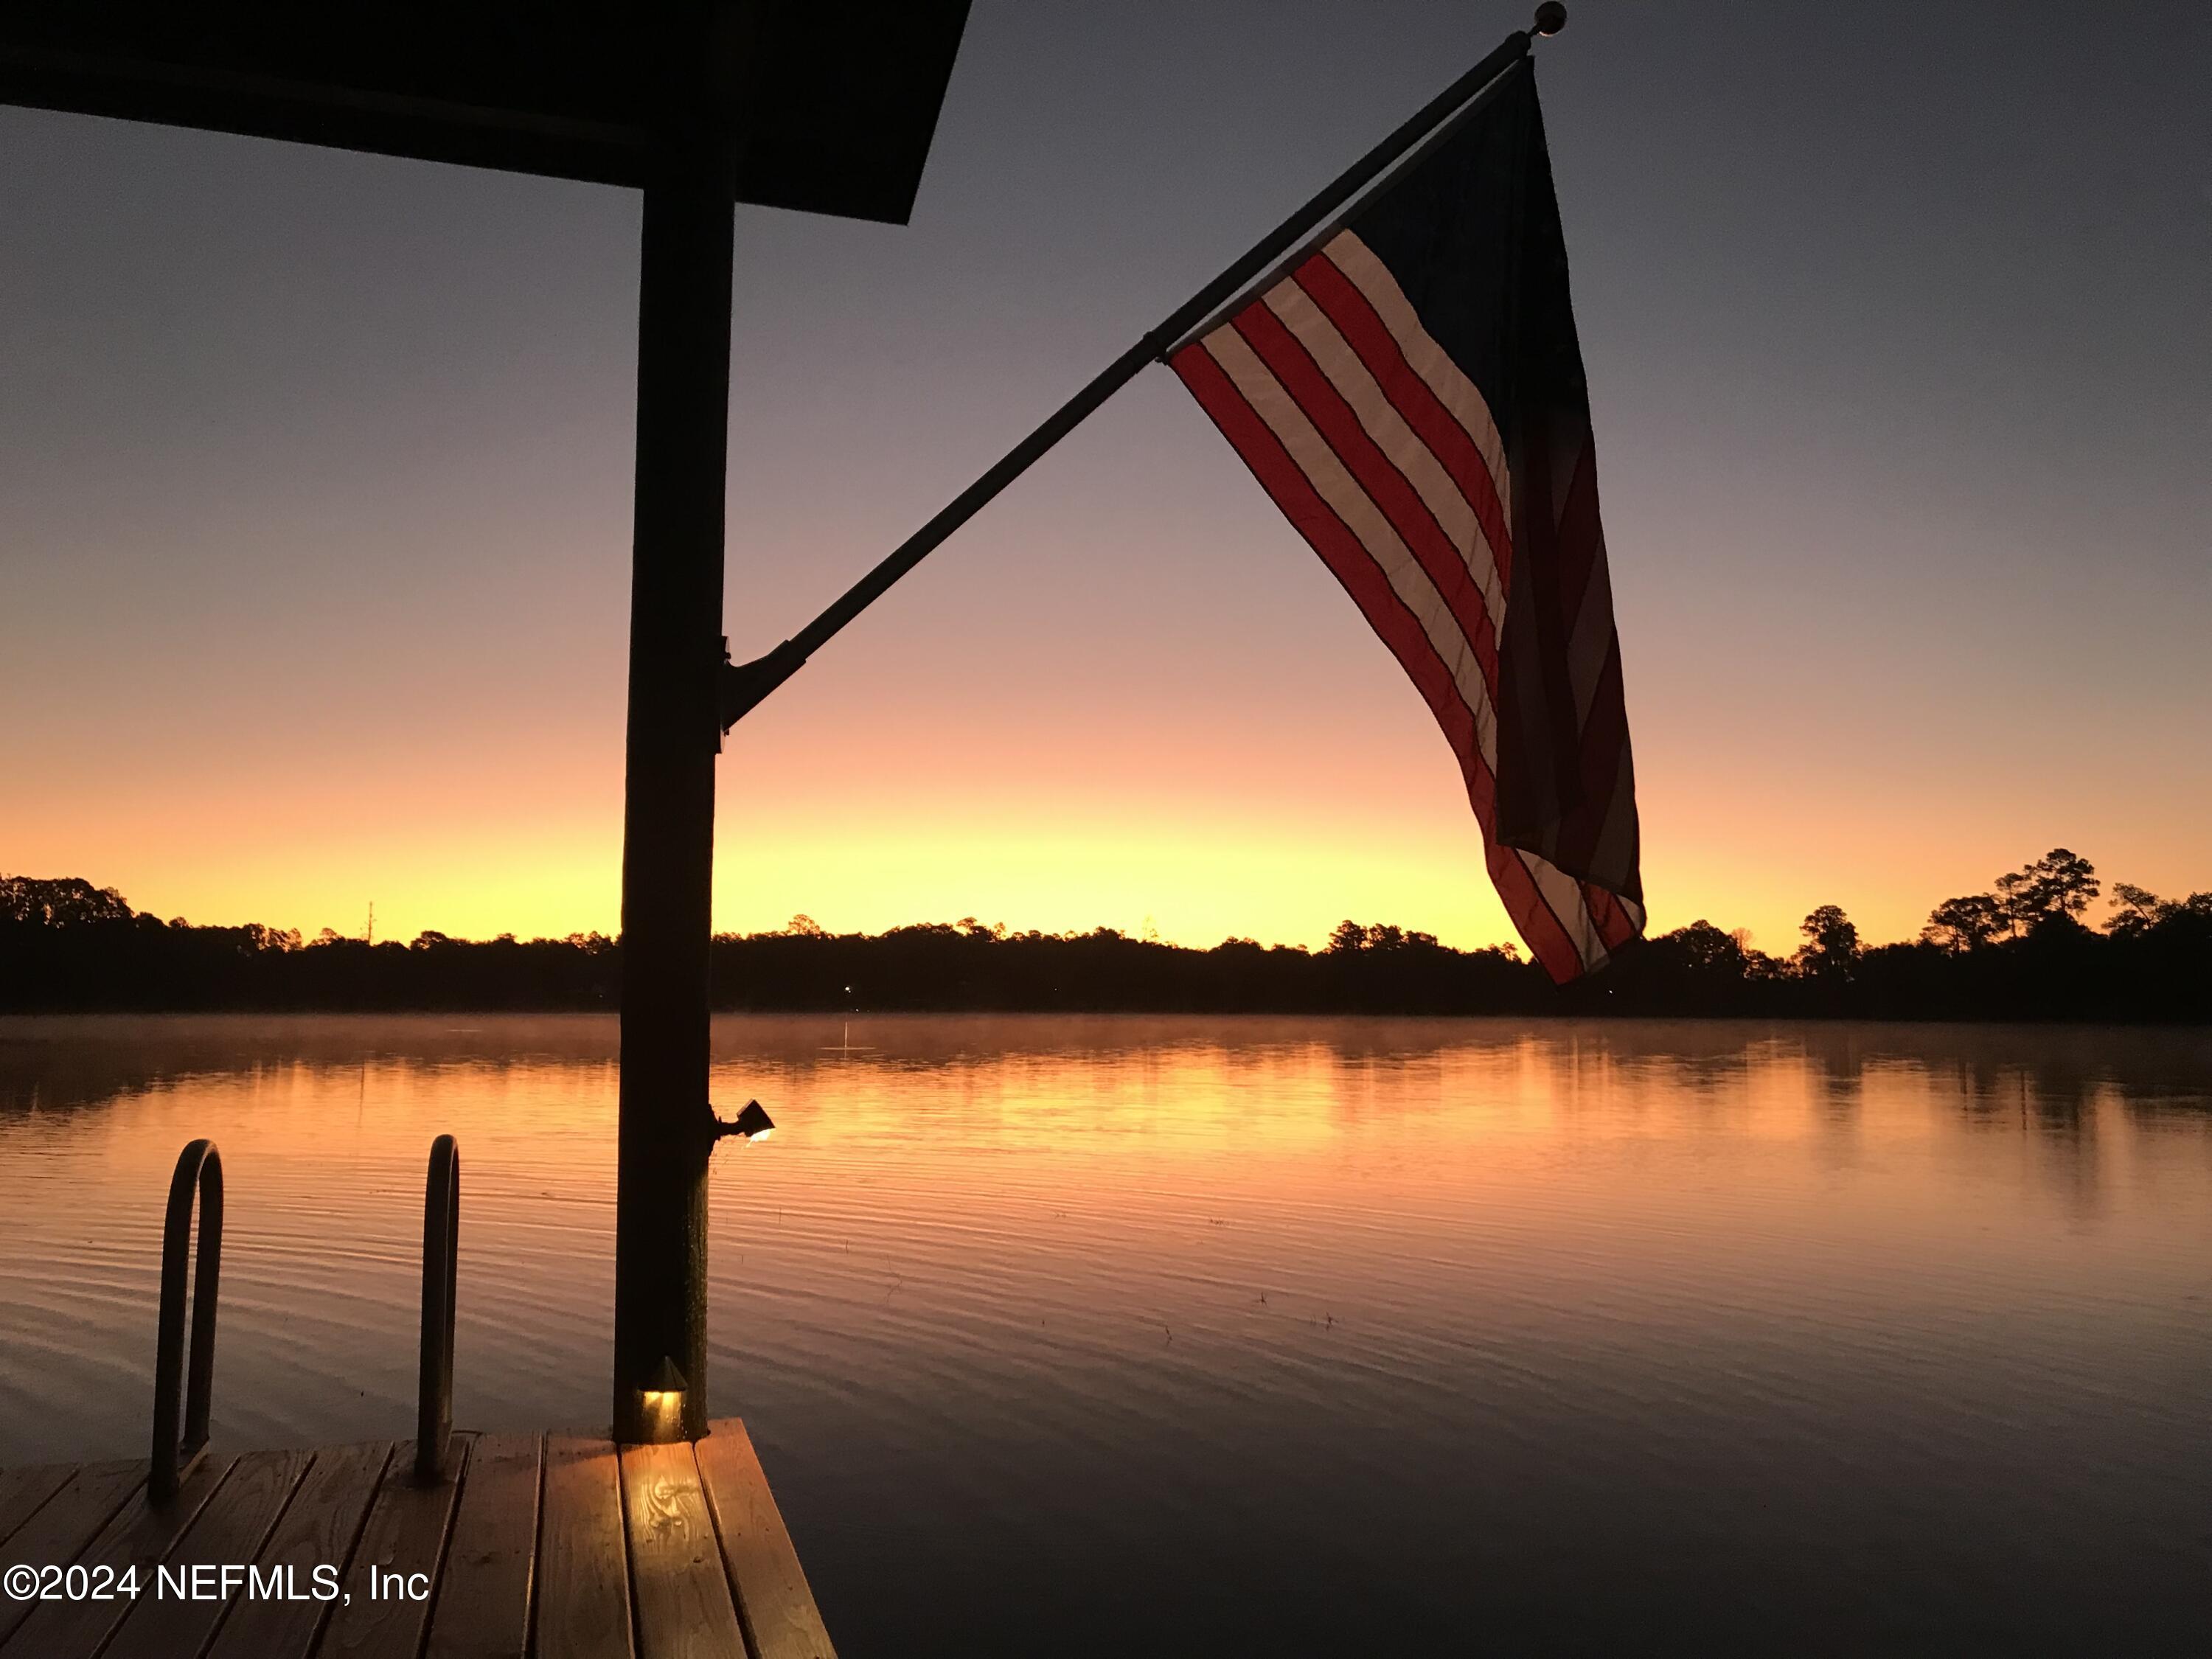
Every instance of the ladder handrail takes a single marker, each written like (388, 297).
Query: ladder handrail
(441, 1224)
(177, 1452)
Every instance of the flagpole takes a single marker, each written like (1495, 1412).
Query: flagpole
(744, 685)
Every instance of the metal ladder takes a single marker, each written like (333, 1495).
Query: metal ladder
(180, 1441)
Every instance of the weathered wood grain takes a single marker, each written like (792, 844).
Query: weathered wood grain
(780, 1619)
(22, 1490)
(404, 1537)
(678, 1580)
(230, 1529)
(57, 1533)
(481, 1610)
(139, 1536)
(318, 1529)
(583, 1568)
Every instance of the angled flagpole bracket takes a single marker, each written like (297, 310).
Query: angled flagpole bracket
(745, 685)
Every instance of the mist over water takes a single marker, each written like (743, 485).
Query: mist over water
(1132, 1335)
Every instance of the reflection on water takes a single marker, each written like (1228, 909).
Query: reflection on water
(1241, 1336)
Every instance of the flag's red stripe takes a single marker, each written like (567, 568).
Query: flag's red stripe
(1603, 911)
(1510, 874)
(1310, 388)
(1344, 304)
(1525, 901)
(1585, 922)
(1349, 560)
(1597, 902)
(1614, 926)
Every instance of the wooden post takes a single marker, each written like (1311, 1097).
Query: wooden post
(668, 814)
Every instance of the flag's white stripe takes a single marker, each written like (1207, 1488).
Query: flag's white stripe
(1310, 452)
(1379, 417)
(1568, 901)
(1430, 360)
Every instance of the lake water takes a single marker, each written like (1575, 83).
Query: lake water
(1164, 1336)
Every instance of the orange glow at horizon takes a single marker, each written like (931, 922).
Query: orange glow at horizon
(1265, 849)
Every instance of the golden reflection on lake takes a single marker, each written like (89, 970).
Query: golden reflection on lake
(1058, 1334)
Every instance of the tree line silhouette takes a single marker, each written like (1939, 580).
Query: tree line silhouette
(2023, 950)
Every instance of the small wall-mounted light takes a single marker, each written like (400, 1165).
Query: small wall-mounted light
(660, 1402)
(751, 1124)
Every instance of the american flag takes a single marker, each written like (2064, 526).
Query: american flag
(1412, 396)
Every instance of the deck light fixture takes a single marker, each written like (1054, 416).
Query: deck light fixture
(661, 1403)
(753, 1123)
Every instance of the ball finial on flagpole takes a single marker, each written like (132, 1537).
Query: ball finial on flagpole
(1551, 18)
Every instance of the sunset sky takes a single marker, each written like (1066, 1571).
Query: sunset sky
(315, 493)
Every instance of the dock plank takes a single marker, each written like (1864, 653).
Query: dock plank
(481, 1610)
(58, 1531)
(404, 1535)
(678, 1580)
(318, 1528)
(139, 1536)
(22, 1490)
(583, 1600)
(230, 1529)
(780, 1619)
(562, 1546)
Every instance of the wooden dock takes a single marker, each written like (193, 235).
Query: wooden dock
(534, 1547)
